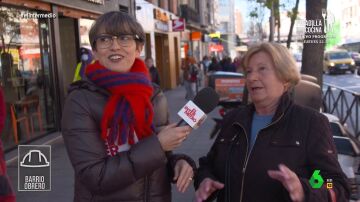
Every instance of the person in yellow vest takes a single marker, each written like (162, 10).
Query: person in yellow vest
(86, 59)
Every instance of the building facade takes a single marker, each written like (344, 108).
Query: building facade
(39, 53)
(166, 45)
(200, 22)
(239, 23)
(225, 15)
(349, 21)
(162, 43)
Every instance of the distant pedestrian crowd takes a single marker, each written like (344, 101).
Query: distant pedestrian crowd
(226, 64)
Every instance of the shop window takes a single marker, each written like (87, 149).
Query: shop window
(25, 76)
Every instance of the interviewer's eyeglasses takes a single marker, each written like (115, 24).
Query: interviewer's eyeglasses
(106, 41)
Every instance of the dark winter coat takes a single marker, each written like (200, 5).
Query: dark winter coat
(155, 77)
(142, 174)
(297, 137)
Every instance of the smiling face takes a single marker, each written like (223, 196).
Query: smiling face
(116, 39)
(264, 87)
(116, 57)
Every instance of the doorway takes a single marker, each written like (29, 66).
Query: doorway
(69, 47)
(162, 59)
(147, 46)
(177, 68)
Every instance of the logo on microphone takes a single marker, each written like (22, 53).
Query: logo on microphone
(192, 114)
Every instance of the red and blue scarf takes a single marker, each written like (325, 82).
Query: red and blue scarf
(129, 110)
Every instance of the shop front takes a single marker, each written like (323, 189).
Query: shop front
(39, 43)
(26, 76)
(162, 43)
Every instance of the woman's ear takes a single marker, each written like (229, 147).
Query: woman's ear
(139, 48)
(94, 54)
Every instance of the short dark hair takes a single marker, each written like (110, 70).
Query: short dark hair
(149, 58)
(114, 23)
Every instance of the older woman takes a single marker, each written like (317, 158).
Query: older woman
(270, 149)
(117, 145)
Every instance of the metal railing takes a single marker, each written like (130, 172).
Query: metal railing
(344, 104)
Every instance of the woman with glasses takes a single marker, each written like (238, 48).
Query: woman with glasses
(119, 147)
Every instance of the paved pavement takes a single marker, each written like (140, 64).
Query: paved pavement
(196, 145)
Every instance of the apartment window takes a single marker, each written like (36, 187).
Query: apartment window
(170, 6)
(124, 9)
(192, 4)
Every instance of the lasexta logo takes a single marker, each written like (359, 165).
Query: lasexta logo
(316, 181)
(190, 113)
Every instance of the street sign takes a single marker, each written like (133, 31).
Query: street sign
(178, 25)
(216, 47)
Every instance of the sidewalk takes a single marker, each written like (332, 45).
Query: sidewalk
(62, 181)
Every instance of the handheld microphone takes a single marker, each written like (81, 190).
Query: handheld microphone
(194, 112)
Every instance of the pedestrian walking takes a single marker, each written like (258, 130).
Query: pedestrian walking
(86, 58)
(228, 66)
(215, 65)
(154, 74)
(206, 63)
(189, 68)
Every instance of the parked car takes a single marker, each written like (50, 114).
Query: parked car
(338, 61)
(348, 149)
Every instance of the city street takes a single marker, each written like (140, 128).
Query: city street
(62, 181)
(350, 83)
(196, 146)
(47, 45)
(346, 81)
